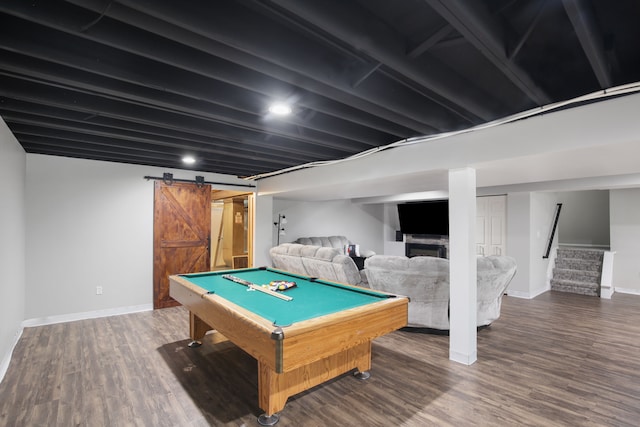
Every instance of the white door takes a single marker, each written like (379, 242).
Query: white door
(491, 225)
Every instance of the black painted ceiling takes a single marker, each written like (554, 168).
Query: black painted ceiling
(147, 81)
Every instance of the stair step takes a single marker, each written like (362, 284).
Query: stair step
(585, 254)
(577, 275)
(576, 287)
(578, 264)
(578, 270)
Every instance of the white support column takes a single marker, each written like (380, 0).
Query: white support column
(462, 266)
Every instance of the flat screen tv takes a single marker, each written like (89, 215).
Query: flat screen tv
(430, 217)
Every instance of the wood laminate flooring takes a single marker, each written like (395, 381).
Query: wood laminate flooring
(556, 360)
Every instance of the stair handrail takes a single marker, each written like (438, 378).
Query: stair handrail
(553, 230)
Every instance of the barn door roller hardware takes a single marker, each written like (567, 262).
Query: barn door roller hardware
(168, 179)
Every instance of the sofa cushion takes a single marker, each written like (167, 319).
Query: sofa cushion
(315, 261)
(287, 257)
(337, 242)
(318, 262)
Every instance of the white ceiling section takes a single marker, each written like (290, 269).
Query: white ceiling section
(571, 147)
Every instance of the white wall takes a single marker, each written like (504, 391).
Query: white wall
(529, 220)
(90, 223)
(584, 219)
(518, 231)
(263, 231)
(362, 224)
(12, 243)
(543, 208)
(625, 239)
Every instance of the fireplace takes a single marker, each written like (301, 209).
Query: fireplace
(426, 245)
(426, 249)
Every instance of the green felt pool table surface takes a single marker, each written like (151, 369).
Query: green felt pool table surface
(311, 298)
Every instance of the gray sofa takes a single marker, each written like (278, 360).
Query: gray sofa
(316, 261)
(425, 280)
(337, 242)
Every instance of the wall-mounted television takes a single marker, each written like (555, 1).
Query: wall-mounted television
(429, 217)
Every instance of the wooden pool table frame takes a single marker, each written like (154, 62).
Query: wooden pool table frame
(293, 358)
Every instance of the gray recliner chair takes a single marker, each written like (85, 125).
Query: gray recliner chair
(425, 280)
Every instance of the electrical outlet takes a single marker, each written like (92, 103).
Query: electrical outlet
(98, 290)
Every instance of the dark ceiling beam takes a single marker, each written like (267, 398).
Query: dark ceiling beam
(153, 142)
(266, 75)
(516, 49)
(451, 42)
(366, 66)
(111, 102)
(52, 147)
(217, 33)
(190, 106)
(75, 100)
(591, 40)
(369, 70)
(479, 28)
(310, 56)
(370, 35)
(11, 108)
(56, 138)
(217, 99)
(430, 41)
(504, 6)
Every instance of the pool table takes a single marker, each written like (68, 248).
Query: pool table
(323, 330)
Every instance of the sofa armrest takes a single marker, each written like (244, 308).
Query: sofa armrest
(366, 254)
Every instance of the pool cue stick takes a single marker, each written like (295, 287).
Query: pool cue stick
(270, 292)
(256, 287)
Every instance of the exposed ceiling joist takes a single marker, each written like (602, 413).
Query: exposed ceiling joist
(146, 81)
(382, 44)
(591, 39)
(477, 26)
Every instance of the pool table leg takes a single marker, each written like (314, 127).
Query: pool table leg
(275, 388)
(362, 375)
(197, 329)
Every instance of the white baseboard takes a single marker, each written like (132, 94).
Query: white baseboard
(7, 357)
(518, 294)
(527, 295)
(626, 291)
(540, 291)
(50, 320)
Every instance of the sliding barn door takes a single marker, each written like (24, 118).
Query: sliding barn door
(181, 234)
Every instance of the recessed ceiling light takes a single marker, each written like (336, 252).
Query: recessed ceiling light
(280, 109)
(188, 160)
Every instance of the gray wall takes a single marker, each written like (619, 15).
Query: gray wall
(518, 247)
(625, 239)
(90, 223)
(362, 224)
(529, 220)
(12, 243)
(584, 219)
(543, 207)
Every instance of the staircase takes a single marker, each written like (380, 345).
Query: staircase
(578, 271)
